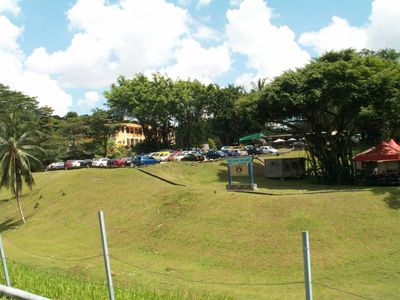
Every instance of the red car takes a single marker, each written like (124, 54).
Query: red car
(118, 162)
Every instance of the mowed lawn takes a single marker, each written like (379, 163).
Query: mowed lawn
(202, 239)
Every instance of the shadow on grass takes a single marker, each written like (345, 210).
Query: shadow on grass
(9, 223)
(392, 196)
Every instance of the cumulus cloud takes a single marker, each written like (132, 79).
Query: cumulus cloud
(269, 49)
(195, 62)
(338, 35)
(384, 26)
(246, 80)
(382, 31)
(206, 33)
(10, 6)
(111, 39)
(14, 74)
(89, 101)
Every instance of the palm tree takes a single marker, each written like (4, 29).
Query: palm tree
(16, 156)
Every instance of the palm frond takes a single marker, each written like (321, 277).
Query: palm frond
(33, 148)
(29, 156)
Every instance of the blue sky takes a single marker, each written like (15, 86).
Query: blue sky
(67, 52)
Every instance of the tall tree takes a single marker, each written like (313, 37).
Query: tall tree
(149, 101)
(324, 100)
(16, 158)
(102, 127)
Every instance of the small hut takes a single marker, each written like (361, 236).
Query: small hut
(285, 167)
(379, 164)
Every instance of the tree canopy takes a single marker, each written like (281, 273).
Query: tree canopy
(332, 98)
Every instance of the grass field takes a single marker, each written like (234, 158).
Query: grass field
(201, 242)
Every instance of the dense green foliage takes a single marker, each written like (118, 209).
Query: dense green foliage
(191, 110)
(331, 99)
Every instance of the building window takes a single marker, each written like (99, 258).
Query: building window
(127, 129)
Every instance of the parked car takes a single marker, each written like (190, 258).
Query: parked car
(100, 162)
(56, 166)
(161, 156)
(239, 150)
(85, 163)
(193, 157)
(214, 154)
(226, 148)
(72, 164)
(230, 152)
(118, 162)
(144, 160)
(268, 149)
(178, 156)
(252, 150)
(298, 145)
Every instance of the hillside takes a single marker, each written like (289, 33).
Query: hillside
(175, 238)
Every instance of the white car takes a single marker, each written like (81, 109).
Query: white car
(268, 149)
(180, 155)
(56, 166)
(100, 162)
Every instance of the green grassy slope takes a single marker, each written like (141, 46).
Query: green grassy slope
(200, 236)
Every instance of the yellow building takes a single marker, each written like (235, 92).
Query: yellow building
(129, 134)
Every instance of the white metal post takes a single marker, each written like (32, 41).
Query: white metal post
(106, 255)
(307, 265)
(3, 260)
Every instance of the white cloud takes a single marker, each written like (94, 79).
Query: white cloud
(10, 6)
(89, 101)
(269, 49)
(8, 35)
(112, 39)
(382, 31)
(246, 80)
(384, 28)
(203, 3)
(195, 62)
(338, 35)
(206, 33)
(14, 74)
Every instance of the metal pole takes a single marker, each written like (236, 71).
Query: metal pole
(106, 255)
(229, 175)
(3, 260)
(251, 173)
(19, 294)
(307, 265)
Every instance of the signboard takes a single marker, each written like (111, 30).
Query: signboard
(239, 160)
(240, 166)
(239, 170)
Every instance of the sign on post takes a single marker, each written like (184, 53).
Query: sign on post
(240, 167)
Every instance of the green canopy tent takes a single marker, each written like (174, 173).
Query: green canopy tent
(251, 137)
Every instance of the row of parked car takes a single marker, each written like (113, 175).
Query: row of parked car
(163, 156)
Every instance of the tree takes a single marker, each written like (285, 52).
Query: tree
(325, 100)
(102, 127)
(151, 102)
(16, 158)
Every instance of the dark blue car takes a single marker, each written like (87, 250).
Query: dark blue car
(144, 160)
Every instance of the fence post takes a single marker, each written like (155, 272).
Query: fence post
(3, 260)
(106, 255)
(307, 265)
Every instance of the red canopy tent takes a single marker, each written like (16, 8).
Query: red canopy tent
(384, 151)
